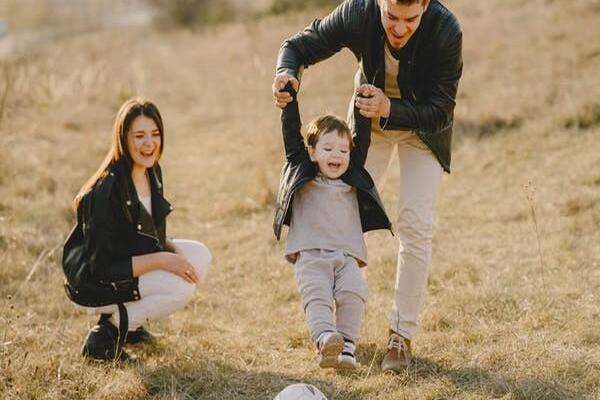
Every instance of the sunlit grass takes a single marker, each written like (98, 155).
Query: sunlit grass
(497, 323)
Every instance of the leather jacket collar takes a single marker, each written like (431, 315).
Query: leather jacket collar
(161, 208)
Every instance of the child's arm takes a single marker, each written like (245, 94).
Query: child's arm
(295, 150)
(361, 136)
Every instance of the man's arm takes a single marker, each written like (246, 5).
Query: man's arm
(434, 113)
(362, 134)
(322, 39)
(319, 41)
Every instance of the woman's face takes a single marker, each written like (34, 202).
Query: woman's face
(143, 142)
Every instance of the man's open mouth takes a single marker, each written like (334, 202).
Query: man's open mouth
(398, 38)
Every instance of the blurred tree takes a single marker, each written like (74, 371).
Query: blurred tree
(193, 13)
(283, 6)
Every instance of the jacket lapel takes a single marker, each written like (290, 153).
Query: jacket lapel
(160, 206)
(146, 224)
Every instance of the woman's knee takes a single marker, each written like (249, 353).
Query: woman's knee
(196, 253)
(183, 288)
(182, 292)
(166, 283)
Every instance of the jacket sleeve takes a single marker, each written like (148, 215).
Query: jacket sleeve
(102, 238)
(362, 138)
(295, 150)
(435, 112)
(323, 38)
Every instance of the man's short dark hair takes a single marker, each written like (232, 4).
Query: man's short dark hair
(408, 2)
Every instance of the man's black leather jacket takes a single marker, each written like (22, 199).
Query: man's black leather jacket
(299, 169)
(430, 65)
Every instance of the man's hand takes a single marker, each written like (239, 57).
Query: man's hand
(279, 82)
(374, 102)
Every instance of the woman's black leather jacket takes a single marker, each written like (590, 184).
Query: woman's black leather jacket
(112, 227)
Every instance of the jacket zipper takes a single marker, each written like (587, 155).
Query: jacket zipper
(114, 283)
(150, 236)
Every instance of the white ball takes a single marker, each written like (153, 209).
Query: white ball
(300, 391)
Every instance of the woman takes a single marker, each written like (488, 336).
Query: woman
(117, 260)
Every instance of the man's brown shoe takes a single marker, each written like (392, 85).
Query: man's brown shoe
(398, 356)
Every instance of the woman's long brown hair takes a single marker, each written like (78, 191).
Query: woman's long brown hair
(129, 111)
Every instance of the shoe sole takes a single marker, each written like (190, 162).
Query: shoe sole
(331, 350)
(396, 369)
(149, 341)
(346, 365)
(122, 358)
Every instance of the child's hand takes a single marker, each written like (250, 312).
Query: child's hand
(372, 102)
(366, 90)
(283, 98)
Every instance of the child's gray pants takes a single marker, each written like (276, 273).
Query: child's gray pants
(331, 283)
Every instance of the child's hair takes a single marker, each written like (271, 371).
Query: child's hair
(324, 124)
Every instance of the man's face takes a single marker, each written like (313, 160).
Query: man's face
(400, 21)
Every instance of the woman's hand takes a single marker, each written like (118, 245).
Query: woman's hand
(178, 265)
(170, 262)
(374, 102)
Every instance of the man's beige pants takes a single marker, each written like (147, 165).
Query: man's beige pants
(420, 177)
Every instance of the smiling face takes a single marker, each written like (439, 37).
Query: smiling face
(331, 153)
(144, 142)
(400, 20)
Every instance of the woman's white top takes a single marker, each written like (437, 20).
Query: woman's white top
(147, 203)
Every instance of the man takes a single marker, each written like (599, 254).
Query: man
(409, 54)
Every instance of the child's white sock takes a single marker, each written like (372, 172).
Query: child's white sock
(346, 358)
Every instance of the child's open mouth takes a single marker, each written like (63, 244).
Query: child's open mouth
(147, 153)
(334, 165)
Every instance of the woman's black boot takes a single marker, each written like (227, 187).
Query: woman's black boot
(103, 342)
(140, 335)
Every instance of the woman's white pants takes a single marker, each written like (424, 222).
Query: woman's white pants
(161, 292)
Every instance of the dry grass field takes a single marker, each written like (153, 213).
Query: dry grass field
(513, 310)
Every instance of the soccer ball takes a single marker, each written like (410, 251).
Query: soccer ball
(300, 391)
